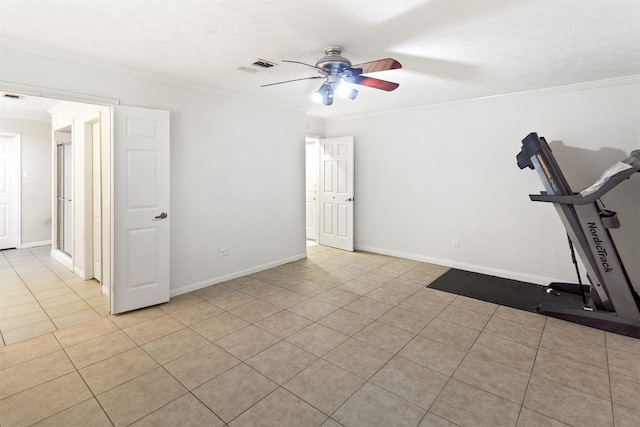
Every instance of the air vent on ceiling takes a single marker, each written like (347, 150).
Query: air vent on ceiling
(259, 65)
(11, 96)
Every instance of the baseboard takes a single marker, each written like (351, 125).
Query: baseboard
(195, 286)
(104, 289)
(63, 259)
(507, 274)
(35, 244)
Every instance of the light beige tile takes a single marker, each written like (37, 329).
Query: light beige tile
(408, 320)
(317, 339)
(386, 337)
(432, 420)
(116, 370)
(512, 331)
(198, 367)
(283, 323)
(387, 296)
(324, 385)
(55, 292)
(425, 306)
(529, 418)
(59, 300)
(97, 300)
(131, 318)
(34, 372)
(625, 390)
(255, 311)
(280, 408)
(403, 285)
(572, 373)
(505, 352)
(101, 348)
(196, 313)
(574, 348)
(180, 302)
(368, 307)
(230, 394)
(231, 300)
(23, 320)
(260, 290)
(625, 416)
(309, 288)
(284, 298)
(313, 309)
(451, 334)
(501, 380)
(621, 342)
(624, 362)
(213, 291)
(76, 318)
(345, 321)
(153, 329)
(432, 354)
(184, 411)
(87, 413)
(358, 357)
(581, 332)
(7, 313)
(13, 301)
(72, 307)
(247, 342)
(358, 287)
(85, 332)
(281, 362)
(219, 326)
(336, 297)
(520, 316)
(464, 317)
(175, 345)
(474, 305)
(487, 409)
(140, 396)
(28, 350)
(29, 331)
(372, 405)
(571, 406)
(415, 383)
(43, 401)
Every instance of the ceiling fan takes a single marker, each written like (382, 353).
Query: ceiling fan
(337, 69)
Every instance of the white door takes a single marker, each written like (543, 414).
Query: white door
(336, 192)
(97, 205)
(9, 170)
(141, 209)
(311, 191)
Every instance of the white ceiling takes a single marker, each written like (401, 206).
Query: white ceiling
(450, 50)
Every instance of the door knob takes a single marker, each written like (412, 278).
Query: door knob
(163, 215)
(350, 199)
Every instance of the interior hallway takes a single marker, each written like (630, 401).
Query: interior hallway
(38, 295)
(337, 339)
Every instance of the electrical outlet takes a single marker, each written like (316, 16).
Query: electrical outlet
(455, 243)
(221, 252)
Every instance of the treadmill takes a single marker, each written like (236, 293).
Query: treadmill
(611, 303)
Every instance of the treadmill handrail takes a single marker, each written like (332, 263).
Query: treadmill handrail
(578, 199)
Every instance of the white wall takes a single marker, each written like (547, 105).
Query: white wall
(427, 176)
(36, 188)
(237, 166)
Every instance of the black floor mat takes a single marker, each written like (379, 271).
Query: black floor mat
(512, 293)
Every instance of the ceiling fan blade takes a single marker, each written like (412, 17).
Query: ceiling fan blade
(308, 65)
(374, 66)
(373, 83)
(294, 80)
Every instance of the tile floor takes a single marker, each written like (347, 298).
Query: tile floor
(337, 339)
(38, 295)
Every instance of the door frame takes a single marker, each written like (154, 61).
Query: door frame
(18, 187)
(107, 156)
(316, 142)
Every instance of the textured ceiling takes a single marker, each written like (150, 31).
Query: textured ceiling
(450, 50)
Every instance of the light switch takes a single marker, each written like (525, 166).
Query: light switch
(25, 174)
